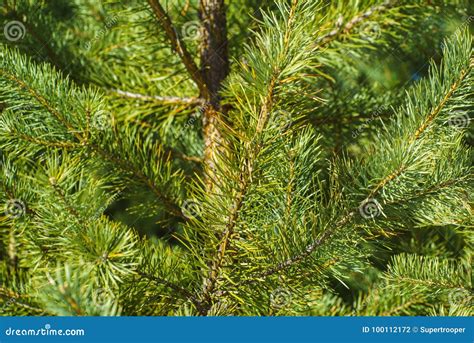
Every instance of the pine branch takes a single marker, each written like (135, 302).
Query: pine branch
(214, 68)
(247, 169)
(446, 185)
(442, 104)
(245, 177)
(23, 85)
(265, 214)
(15, 299)
(85, 226)
(83, 140)
(139, 175)
(349, 216)
(340, 29)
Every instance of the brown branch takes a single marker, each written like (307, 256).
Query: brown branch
(214, 47)
(215, 67)
(179, 46)
(168, 100)
(395, 174)
(245, 178)
(184, 157)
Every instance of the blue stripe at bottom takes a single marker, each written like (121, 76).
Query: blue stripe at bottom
(237, 329)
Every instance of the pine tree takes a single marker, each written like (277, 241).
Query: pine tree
(202, 157)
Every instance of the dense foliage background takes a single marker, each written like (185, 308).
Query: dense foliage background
(185, 157)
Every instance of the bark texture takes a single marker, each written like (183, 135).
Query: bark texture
(214, 69)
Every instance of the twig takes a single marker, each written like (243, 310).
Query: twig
(163, 99)
(179, 47)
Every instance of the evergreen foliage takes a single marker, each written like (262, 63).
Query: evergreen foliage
(324, 168)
